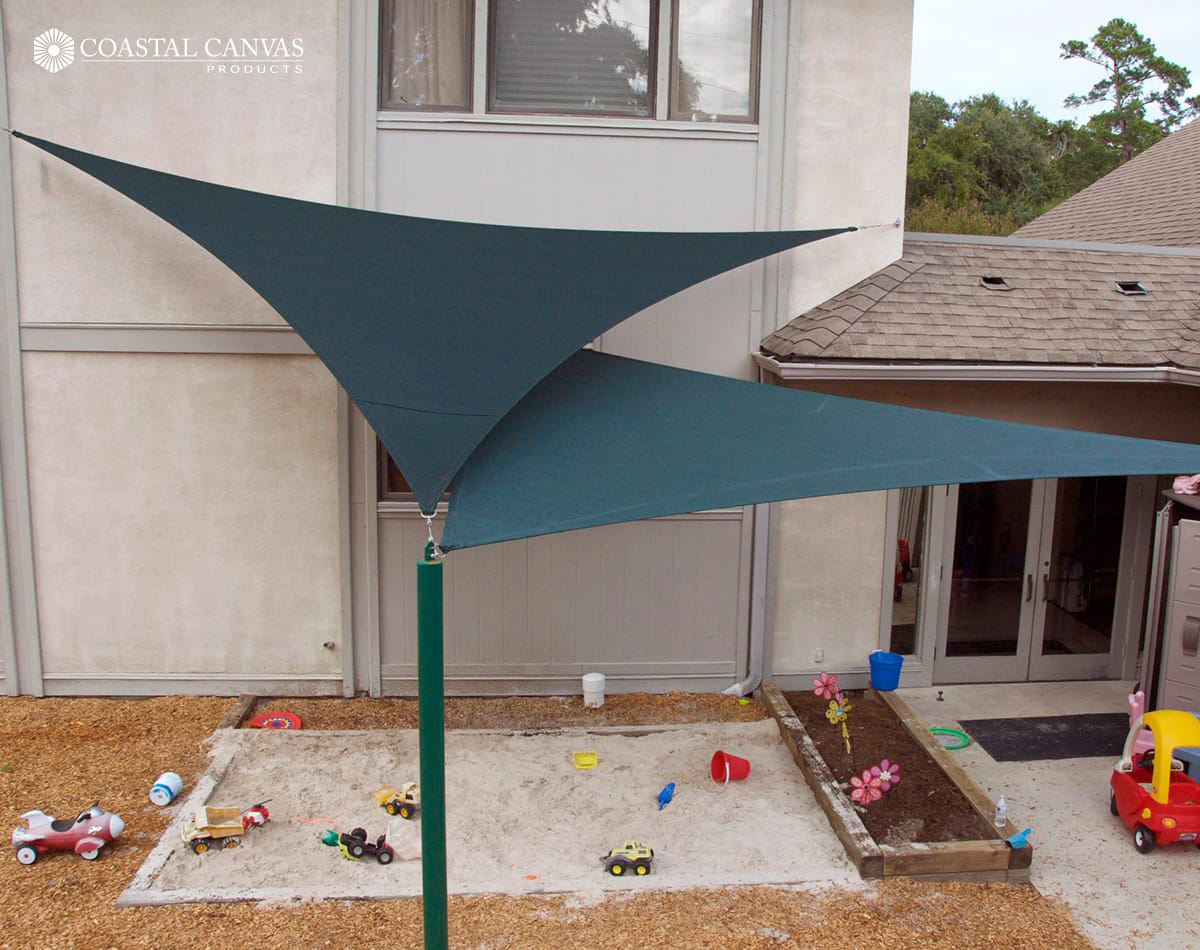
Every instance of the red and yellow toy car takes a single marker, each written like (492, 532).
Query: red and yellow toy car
(1151, 792)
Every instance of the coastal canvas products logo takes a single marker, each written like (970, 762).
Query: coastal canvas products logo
(53, 50)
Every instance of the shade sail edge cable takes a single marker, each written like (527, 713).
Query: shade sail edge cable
(606, 439)
(391, 302)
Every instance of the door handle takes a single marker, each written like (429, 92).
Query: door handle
(1045, 587)
(1028, 588)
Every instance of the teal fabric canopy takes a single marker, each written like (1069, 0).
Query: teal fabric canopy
(605, 439)
(434, 328)
(451, 338)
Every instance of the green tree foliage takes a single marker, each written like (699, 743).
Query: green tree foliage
(1136, 78)
(984, 166)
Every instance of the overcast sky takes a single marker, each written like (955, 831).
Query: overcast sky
(964, 48)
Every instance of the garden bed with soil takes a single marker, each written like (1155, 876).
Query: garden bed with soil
(935, 822)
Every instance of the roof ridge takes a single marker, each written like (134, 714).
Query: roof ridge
(875, 302)
(854, 290)
(1051, 244)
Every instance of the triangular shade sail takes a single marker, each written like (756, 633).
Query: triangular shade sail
(605, 439)
(434, 328)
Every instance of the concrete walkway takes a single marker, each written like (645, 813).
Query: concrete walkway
(1083, 855)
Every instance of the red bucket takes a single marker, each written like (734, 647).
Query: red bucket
(726, 768)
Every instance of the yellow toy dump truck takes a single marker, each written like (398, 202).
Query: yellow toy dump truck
(631, 856)
(405, 803)
(218, 827)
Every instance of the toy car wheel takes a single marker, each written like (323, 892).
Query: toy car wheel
(199, 847)
(406, 812)
(642, 866)
(90, 855)
(384, 855)
(1112, 803)
(391, 808)
(618, 867)
(26, 854)
(229, 843)
(1143, 839)
(357, 850)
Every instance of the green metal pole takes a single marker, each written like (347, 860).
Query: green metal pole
(432, 722)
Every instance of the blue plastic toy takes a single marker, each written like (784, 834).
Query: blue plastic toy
(666, 795)
(1019, 840)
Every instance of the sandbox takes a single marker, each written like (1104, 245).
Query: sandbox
(520, 817)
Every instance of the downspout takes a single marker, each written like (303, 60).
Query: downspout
(755, 648)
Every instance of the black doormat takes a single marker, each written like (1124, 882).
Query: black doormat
(1038, 738)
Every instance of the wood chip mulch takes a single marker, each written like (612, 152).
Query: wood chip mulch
(60, 755)
(519, 712)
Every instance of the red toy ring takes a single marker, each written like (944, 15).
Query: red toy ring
(275, 720)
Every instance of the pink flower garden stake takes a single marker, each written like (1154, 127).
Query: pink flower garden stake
(866, 789)
(825, 685)
(888, 774)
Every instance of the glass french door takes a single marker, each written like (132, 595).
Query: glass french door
(1033, 581)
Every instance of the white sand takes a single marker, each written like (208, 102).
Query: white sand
(516, 807)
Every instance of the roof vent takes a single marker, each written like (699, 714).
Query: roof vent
(995, 283)
(1131, 288)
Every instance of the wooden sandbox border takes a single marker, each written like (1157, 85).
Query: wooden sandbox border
(981, 860)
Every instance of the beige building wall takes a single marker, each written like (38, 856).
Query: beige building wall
(112, 261)
(1142, 410)
(827, 562)
(846, 141)
(185, 513)
(184, 507)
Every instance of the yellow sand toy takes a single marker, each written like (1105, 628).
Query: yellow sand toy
(630, 856)
(406, 803)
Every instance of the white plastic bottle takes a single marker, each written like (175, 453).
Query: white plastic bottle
(1001, 818)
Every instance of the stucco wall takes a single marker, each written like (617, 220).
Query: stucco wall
(1144, 410)
(185, 512)
(846, 142)
(846, 138)
(184, 507)
(827, 555)
(90, 255)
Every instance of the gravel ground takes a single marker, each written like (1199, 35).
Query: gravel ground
(61, 755)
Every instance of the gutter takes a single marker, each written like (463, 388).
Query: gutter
(996, 372)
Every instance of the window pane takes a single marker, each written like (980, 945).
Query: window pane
(574, 56)
(426, 56)
(714, 75)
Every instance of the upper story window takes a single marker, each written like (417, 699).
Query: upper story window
(425, 54)
(714, 62)
(574, 57)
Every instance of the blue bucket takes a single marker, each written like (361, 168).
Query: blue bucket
(885, 670)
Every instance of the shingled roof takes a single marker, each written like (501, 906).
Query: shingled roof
(1151, 199)
(1062, 307)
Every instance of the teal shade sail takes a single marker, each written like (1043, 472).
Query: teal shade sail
(605, 439)
(434, 328)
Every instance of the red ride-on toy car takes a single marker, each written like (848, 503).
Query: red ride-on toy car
(1151, 792)
(85, 834)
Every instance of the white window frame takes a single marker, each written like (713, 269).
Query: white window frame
(662, 55)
